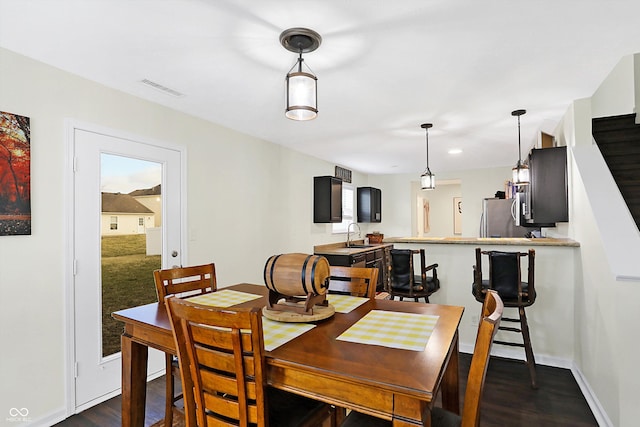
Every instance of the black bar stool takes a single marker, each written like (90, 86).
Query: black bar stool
(505, 278)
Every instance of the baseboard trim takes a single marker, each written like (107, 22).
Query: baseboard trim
(592, 400)
(49, 419)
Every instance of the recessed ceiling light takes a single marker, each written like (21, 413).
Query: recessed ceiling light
(455, 151)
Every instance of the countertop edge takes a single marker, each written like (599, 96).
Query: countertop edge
(340, 249)
(513, 241)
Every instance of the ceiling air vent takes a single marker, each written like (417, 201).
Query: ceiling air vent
(162, 88)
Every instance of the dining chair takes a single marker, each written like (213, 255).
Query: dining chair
(223, 371)
(505, 277)
(180, 281)
(404, 283)
(492, 309)
(355, 281)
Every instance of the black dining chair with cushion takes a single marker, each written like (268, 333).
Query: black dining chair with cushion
(505, 277)
(224, 372)
(492, 309)
(404, 283)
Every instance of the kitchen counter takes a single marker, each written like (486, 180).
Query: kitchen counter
(342, 249)
(509, 241)
(375, 255)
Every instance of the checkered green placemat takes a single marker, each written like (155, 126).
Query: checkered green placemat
(278, 333)
(223, 298)
(345, 303)
(408, 331)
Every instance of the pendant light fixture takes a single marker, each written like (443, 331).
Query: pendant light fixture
(427, 179)
(301, 86)
(521, 171)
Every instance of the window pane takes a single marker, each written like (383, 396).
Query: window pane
(347, 210)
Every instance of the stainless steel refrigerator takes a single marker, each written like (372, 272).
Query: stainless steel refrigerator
(499, 219)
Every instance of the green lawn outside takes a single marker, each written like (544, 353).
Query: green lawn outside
(127, 281)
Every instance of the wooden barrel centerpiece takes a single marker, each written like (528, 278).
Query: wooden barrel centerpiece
(296, 275)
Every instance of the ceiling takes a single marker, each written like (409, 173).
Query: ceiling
(383, 67)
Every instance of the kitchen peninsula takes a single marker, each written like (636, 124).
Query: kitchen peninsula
(551, 318)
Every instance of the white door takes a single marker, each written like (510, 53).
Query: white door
(111, 270)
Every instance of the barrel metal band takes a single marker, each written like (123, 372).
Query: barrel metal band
(304, 278)
(273, 267)
(313, 275)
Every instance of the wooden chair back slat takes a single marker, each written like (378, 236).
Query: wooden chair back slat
(206, 357)
(185, 280)
(358, 281)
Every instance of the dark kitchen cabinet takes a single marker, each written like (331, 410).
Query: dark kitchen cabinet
(327, 199)
(377, 257)
(369, 204)
(546, 198)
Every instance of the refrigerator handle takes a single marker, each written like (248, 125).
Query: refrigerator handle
(513, 210)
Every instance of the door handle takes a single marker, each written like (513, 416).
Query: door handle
(174, 254)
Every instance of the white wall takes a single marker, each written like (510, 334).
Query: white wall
(606, 309)
(248, 199)
(441, 209)
(615, 95)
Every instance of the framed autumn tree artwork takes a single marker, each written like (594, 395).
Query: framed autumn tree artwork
(15, 175)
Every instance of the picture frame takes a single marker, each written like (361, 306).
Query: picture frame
(15, 174)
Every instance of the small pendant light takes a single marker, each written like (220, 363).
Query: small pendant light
(521, 171)
(301, 86)
(427, 179)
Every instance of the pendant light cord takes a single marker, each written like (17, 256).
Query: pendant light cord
(427, 132)
(519, 149)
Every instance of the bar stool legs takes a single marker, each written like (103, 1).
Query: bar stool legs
(531, 361)
(524, 330)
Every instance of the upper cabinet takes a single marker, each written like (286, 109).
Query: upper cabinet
(327, 199)
(369, 204)
(547, 195)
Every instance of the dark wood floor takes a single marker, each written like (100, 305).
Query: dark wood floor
(508, 399)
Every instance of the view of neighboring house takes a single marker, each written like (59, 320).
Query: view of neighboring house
(152, 199)
(123, 214)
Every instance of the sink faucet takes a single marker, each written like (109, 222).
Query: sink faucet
(349, 233)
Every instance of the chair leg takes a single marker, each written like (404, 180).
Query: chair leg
(531, 361)
(339, 415)
(168, 406)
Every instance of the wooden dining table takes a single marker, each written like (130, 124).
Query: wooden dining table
(390, 383)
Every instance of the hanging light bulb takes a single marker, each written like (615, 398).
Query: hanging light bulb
(301, 86)
(427, 179)
(520, 171)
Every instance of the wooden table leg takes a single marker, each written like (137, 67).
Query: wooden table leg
(134, 382)
(450, 383)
